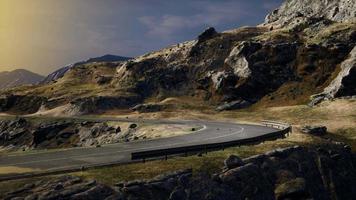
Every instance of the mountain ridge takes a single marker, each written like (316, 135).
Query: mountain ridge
(59, 73)
(265, 65)
(18, 77)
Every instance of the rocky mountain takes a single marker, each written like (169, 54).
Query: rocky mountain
(17, 78)
(299, 52)
(60, 72)
(297, 12)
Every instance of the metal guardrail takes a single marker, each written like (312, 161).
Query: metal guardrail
(275, 124)
(165, 152)
(285, 130)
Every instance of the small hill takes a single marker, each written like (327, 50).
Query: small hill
(17, 78)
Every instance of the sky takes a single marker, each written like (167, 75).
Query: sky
(44, 35)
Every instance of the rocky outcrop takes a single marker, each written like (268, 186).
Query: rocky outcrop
(290, 173)
(96, 104)
(343, 85)
(314, 130)
(237, 59)
(21, 103)
(145, 108)
(298, 11)
(345, 82)
(207, 34)
(23, 134)
(234, 105)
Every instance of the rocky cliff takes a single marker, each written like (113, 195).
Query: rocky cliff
(303, 48)
(296, 12)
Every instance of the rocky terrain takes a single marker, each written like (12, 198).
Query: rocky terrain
(303, 52)
(24, 134)
(18, 77)
(39, 133)
(290, 173)
(298, 12)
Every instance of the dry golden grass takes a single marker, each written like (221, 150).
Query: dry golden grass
(14, 170)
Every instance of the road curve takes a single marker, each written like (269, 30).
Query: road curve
(61, 160)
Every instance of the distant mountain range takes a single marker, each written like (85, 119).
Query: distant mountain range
(60, 72)
(18, 77)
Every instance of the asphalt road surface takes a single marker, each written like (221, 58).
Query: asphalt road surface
(212, 132)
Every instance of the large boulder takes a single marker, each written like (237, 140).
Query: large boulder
(315, 130)
(233, 161)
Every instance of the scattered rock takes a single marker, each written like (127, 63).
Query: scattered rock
(239, 104)
(233, 161)
(145, 108)
(315, 130)
(101, 80)
(132, 126)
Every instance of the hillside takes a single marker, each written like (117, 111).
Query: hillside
(17, 78)
(285, 61)
(60, 72)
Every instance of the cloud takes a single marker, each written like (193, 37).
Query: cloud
(166, 25)
(209, 14)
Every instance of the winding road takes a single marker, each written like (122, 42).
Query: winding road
(62, 160)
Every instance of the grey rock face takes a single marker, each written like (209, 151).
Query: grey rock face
(99, 103)
(343, 85)
(239, 104)
(237, 59)
(292, 11)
